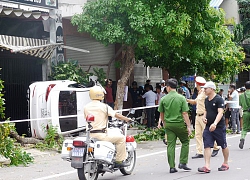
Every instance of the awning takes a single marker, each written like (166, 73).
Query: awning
(16, 12)
(34, 47)
(215, 3)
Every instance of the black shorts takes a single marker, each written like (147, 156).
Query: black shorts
(218, 135)
(227, 114)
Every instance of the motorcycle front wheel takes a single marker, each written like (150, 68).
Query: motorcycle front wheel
(131, 159)
(84, 175)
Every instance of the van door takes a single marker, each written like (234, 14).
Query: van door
(82, 99)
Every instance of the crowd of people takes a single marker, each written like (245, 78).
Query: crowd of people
(150, 96)
(210, 112)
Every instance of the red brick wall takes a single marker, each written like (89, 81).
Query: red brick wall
(165, 74)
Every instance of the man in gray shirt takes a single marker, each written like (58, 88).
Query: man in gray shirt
(234, 107)
(151, 98)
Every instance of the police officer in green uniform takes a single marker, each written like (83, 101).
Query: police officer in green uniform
(245, 104)
(173, 109)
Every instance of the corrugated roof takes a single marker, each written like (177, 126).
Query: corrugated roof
(34, 47)
(215, 3)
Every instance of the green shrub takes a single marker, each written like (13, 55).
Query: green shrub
(52, 140)
(150, 135)
(154, 134)
(10, 149)
(72, 71)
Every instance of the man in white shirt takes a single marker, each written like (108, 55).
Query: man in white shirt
(234, 107)
(162, 85)
(151, 98)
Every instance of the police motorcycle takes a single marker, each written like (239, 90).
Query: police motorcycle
(92, 157)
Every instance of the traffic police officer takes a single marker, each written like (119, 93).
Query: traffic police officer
(101, 112)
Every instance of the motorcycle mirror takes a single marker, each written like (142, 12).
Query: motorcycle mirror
(132, 111)
(90, 118)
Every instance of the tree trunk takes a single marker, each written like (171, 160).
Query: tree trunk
(24, 140)
(112, 59)
(127, 65)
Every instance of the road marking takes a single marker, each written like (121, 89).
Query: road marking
(160, 152)
(56, 175)
(138, 157)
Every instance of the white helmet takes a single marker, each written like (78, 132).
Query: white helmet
(200, 81)
(96, 93)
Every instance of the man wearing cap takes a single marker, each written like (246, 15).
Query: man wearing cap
(199, 124)
(173, 110)
(215, 129)
(185, 89)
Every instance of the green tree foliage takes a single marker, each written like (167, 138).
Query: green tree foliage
(202, 44)
(242, 30)
(71, 71)
(244, 12)
(126, 22)
(113, 21)
(183, 36)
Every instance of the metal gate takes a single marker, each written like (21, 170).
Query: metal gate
(18, 71)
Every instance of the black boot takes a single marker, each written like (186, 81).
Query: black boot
(184, 166)
(173, 170)
(214, 153)
(241, 143)
(197, 156)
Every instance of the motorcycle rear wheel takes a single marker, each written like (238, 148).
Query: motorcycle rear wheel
(83, 175)
(132, 159)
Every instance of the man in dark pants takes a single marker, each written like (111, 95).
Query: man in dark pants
(245, 104)
(199, 124)
(136, 94)
(215, 129)
(151, 98)
(173, 110)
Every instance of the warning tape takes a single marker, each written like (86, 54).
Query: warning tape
(69, 116)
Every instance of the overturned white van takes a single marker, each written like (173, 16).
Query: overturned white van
(51, 101)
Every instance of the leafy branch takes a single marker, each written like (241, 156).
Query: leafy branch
(72, 71)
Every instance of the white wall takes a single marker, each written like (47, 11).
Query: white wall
(231, 8)
(142, 73)
(71, 7)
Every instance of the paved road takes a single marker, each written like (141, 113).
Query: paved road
(151, 164)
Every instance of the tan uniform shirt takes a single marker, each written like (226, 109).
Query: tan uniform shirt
(200, 102)
(101, 112)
